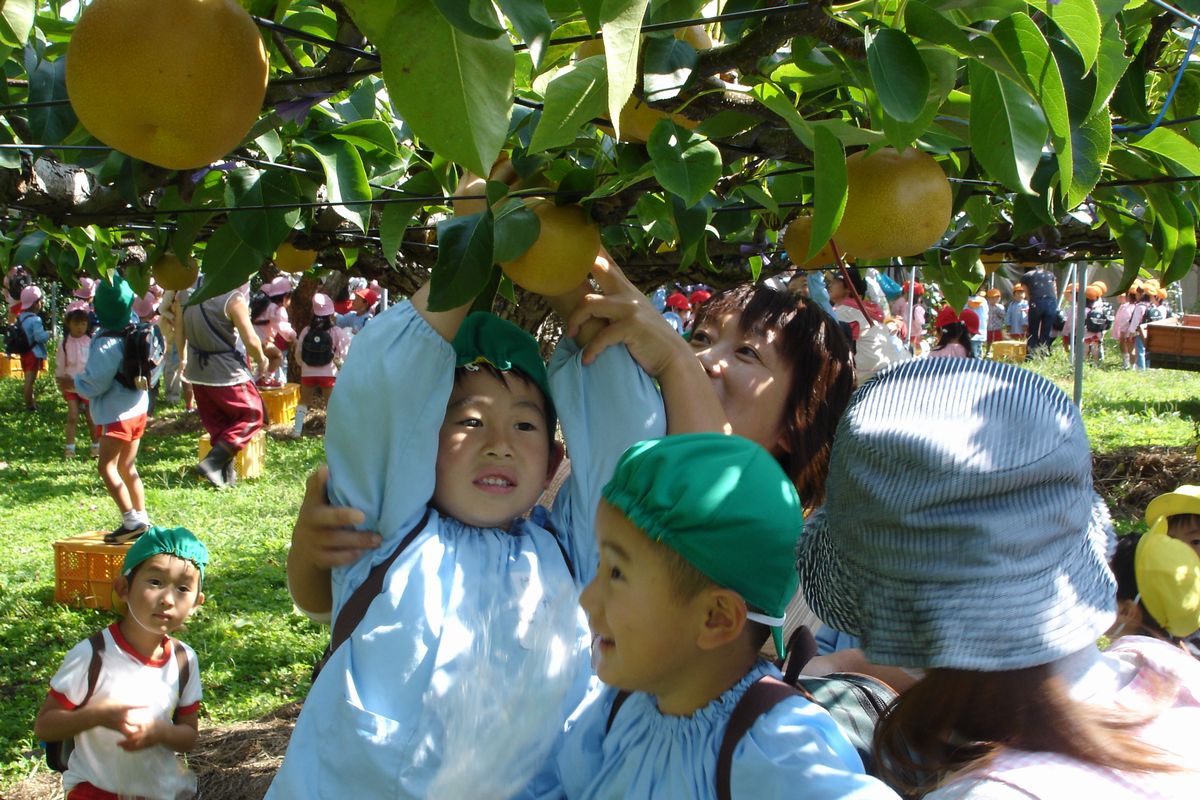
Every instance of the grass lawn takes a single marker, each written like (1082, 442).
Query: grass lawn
(254, 652)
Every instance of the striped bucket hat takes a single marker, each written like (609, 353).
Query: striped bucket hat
(961, 528)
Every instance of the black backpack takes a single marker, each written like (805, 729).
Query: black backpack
(16, 343)
(259, 302)
(143, 353)
(59, 753)
(17, 283)
(317, 348)
(1098, 318)
(1155, 313)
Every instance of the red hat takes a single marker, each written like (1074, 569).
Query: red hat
(700, 296)
(918, 288)
(369, 296)
(678, 300)
(947, 315)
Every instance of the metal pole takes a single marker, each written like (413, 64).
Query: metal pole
(1077, 340)
(912, 289)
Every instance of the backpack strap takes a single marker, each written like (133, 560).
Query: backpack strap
(355, 607)
(185, 669)
(96, 640)
(618, 701)
(801, 648)
(762, 696)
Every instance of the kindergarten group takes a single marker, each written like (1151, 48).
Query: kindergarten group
(786, 554)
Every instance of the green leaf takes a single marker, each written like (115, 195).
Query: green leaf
(942, 66)
(516, 228)
(270, 143)
(264, 229)
(368, 133)
(398, 216)
(691, 225)
(757, 194)
(452, 89)
(1172, 146)
(685, 163)
(16, 21)
(1174, 232)
(473, 17)
(1185, 250)
(345, 179)
(666, 66)
(829, 189)
(622, 24)
(531, 21)
(1131, 238)
(1079, 20)
(229, 261)
(48, 83)
(777, 100)
(923, 22)
(1090, 143)
(1111, 63)
(1024, 46)
(899, 74)
(1008, 130)
(29, 246)
(464, 261)
(575, 96)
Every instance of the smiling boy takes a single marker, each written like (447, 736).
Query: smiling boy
(130, 694)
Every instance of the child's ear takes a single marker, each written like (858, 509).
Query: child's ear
(725, 618)
(1129, 616)
(557, 454)
(199, 602)
(121, 587)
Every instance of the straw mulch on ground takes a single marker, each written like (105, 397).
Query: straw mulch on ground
(1131, 477)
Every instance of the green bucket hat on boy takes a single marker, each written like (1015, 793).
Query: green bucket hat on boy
(484, 338)
(178, 542)
(113, 303)
(725, 505)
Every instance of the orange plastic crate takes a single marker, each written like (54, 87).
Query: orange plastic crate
(1013, 352)
(10, 366)
(281, 403)
(251, 459)
(84, 568)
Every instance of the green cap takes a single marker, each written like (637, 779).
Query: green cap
(725, 505)
(484, 338)
(178, 542)
(114, 300)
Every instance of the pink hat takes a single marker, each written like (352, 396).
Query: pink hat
(86, 290)
(146, 305)
(77, 305)
(322, 305)
(277, 287)
(29, 296)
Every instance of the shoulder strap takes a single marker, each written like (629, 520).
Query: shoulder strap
(618, 701)
(356, 606)
(763, 695)
(96, 640)
(185, 666)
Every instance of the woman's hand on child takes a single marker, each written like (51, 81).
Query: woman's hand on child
(324, 534)
(629, 319)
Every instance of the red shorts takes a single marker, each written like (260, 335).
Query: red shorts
(995, 336)
(319, 380)
(31, 363)
(281, 342)
(85, 791)
(69, 396)
(127, 430)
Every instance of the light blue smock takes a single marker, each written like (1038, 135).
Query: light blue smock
(794, 750)
(374, 723)
(35, 332)
(109, 400)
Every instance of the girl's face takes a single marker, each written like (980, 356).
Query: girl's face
(77, 327)
(749, 375)
(837, 290)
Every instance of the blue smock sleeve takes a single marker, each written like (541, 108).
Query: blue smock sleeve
(604, 408)
(818, 292)
(382, 435)
(98, 374)
(797, 744)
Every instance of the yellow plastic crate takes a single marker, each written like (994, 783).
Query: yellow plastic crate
(1013, 352)
(251, 460)
(281, 403)
(84, 568)
(10, 366)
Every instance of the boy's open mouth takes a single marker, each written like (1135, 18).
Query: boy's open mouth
(497, 482)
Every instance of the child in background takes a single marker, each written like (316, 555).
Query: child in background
(696, 534)
(916, 330)
(1158, 588)
(146, 309)
(31, 322)
(937, 517)
(320, 348)
(84, 295)
(954, 333)
(978, 305)
(118, 410)
(274, 329)
(71, 359)
(360, 312)
(1016, 318)
(1097, 319)
(141, 706)
(995, 319)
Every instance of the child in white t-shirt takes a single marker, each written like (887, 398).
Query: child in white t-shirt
(130, 694)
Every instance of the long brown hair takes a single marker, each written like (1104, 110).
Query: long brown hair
(813, 345)
(954, 719)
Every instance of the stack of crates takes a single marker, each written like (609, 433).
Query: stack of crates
(251, 460)
(1011, 351)
(10, 366)
(281, 403)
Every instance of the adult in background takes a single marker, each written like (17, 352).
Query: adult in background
(219, 335)
(1043, 308)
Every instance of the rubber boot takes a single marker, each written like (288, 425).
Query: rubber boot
(212, 466)
(298, 429)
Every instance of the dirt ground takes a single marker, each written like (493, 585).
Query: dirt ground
(237, 762)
